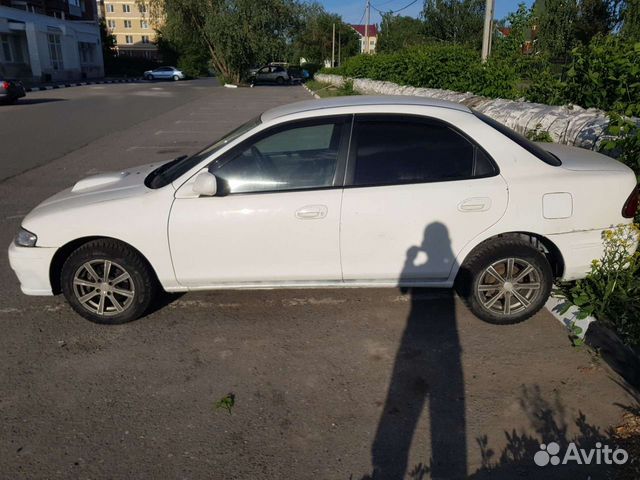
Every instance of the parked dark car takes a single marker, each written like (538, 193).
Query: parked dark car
(11, 91)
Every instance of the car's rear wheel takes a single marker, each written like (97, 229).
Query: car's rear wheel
(506, 280)
(107, 282)
(280, 81)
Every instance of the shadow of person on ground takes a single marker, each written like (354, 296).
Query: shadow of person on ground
(427, 368)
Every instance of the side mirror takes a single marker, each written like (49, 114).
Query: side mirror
(205, 185)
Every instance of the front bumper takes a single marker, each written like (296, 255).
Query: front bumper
(31, 265)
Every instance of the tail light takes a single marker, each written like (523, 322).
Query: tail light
(5, 85)
(631, 205)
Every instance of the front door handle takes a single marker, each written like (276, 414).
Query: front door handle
(475, 204)
(312, 212)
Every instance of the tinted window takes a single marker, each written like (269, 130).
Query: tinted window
(392, 151)
(528, 145)
(295, 157)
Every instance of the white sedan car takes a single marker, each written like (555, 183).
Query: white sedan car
(346, 192)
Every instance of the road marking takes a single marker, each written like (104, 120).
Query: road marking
(156, 147)
(13, 217)
(182, 132)
(192, 121)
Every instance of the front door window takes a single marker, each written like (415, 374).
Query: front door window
(304, 156)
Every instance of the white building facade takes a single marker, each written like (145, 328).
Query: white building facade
(42, 48)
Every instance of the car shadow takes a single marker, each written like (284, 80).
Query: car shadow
(33, 101)
(162, 300)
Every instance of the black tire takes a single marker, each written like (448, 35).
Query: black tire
(149, 77)
(176, 78)
(473, 274)
(280, 81)
(141, 286)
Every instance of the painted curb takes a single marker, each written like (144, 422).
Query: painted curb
(556, 304)
(311, 92)
(79, 84)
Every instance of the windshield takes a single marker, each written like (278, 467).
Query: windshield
(167, 173)
(528, 145)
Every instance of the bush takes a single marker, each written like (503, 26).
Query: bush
(128, 66)
(451, 67)
(604, 74)
(611, 291)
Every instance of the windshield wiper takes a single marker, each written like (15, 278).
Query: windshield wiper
(159, 173)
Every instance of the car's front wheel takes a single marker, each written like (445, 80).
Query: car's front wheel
(506, 280)
(108, 282)
(176, 78)
(149, 77)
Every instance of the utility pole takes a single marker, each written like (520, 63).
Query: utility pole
(333, 47)
(339, 47)
(488, 30)
(366, 27)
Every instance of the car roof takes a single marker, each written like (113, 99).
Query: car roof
(359, 101)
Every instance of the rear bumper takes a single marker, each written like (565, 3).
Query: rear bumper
(579, 250)
(31, 266)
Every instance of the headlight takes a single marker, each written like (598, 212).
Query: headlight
(25, 238)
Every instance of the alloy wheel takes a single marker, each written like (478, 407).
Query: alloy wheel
(103, 287)
(508, 286)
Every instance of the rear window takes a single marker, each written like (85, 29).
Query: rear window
(528, 145)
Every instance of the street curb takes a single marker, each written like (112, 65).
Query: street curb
(314, 94)
(555, 305)
(80, 84)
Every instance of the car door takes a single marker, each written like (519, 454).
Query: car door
(263, 74)
(417, 192)
(276, 217)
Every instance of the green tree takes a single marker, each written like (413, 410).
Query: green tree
(314, 38)
(630, 17)
(454, 21)
(399, 32)
(520, 24)
(556, 27)
(108, 42)
(237, 33)
(594, 17)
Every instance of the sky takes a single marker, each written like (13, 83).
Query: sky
(352, 10)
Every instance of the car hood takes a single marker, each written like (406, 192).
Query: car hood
(580, 159)
(102, 187)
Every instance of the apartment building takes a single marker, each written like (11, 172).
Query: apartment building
(129, 22)
(49, 40)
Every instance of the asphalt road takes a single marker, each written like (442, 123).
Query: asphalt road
(327, 383)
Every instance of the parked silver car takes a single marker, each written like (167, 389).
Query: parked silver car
(164, 73)
(271, 74)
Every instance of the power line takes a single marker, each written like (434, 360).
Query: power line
(362, 17)
(394, 11)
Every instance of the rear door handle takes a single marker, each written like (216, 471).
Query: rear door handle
(475, 204)
(312, 212)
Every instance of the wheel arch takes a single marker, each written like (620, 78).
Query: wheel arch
(55, 268)
(537, 241)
